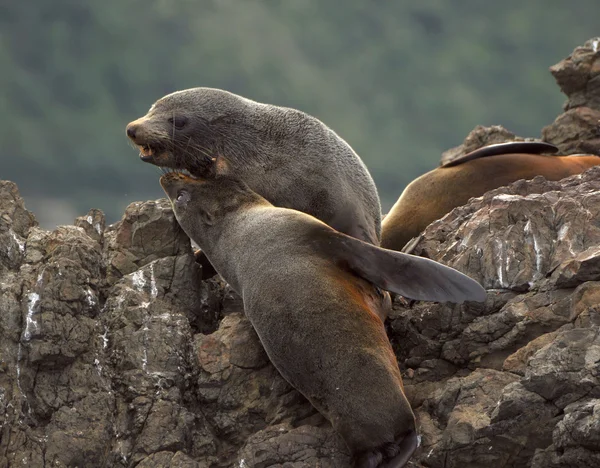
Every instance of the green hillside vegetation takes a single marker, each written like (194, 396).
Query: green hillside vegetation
(400, 81)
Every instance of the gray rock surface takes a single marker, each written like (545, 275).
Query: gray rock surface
(578, 129)
(114, 353)
(513, 382)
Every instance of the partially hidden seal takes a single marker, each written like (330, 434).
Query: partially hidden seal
(290, 158)
(309, 292)
(436, 193)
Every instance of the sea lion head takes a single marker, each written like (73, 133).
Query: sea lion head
(199, 203)
(187, 129)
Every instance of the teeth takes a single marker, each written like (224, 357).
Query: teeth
(146, 150)
(186, 173)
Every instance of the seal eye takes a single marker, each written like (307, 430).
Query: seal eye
(178, 121)
(183, 196)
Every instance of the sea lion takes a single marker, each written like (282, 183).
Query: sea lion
(436, 193)
(290, 158)
(309, 291)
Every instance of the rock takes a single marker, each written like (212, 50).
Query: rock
(578, 76)
(15, 224)
(303, 447)
(576, 131)
(93, 224)
(114, 352)
(492, 383)
(148, 231)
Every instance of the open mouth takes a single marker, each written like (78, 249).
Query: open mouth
(146, 153)
(186, 173)
(176, 174)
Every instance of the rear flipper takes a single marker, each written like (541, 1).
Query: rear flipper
(394, 455)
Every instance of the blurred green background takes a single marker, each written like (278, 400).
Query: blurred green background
(400, 81)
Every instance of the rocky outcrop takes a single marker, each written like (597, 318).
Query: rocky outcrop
(499, 383)
(575, 131)
(114, 352)
(578, 129)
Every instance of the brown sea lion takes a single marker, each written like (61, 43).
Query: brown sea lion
(290, 158)
(308, 291)
(437, 192)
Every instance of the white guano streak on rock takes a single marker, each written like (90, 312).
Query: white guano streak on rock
(31, 326)
(19, 242)
(23, 394)
(145, 343)
(499, 252)
(33, 301)
(90, 299)
(562, 236)
(104, 338)
(595, 43)
(153, 289)
(536, 247)
(507, 197)
(138, 280)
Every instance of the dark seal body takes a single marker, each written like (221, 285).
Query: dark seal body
(309, 292)
(290, 158)
(439, 191)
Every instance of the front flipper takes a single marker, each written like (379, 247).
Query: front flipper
(410, 276)
(529, 147)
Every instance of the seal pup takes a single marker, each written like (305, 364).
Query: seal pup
(436, 193)
(309, 292)
(290, 158)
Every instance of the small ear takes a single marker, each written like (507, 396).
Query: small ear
(221, 165)
(412, 277)
(207, 217)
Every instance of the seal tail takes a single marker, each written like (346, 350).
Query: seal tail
(394, 455)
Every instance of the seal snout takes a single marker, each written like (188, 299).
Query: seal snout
(139, 134)
(131, 130)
